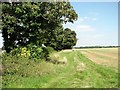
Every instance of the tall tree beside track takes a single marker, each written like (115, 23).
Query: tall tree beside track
(38, 23)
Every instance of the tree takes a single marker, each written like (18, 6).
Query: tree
(69, 39)
(37, 23)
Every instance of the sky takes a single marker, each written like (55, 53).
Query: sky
(97, 24)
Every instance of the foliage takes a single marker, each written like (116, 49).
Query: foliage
(37, 23)
(69, 39)
(35, 51)
(63, 39)
(22, 51)
(38, 52)
(31, 52)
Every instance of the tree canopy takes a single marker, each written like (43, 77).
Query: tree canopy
(38, 23)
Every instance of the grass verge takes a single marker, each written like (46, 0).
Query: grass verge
(62, 75)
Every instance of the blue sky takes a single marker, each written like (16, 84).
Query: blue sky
(97, 23)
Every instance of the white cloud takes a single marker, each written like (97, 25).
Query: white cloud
(84, 19)
(80, 26)
(84, 28)
(81, 19)
(89, 39)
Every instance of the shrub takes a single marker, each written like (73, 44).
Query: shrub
(20, 52)
(31, 51)
(25, 52)
(37, 52)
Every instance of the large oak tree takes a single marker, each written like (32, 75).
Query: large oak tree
(38, 23)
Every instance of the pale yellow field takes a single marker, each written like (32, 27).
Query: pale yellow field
(103, 56)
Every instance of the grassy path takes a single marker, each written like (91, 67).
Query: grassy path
(67, 76)
(68, 70)
(93, 76)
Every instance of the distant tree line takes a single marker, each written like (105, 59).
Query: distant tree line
(97, 47)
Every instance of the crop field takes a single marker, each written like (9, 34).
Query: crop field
(82, 69)
(103, 56)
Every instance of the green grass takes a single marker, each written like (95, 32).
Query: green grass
(65, 75)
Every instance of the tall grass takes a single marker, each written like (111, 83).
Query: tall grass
(23, 73)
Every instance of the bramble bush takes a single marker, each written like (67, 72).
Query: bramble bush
(32, 52)
(20, 52)
(37, 52)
